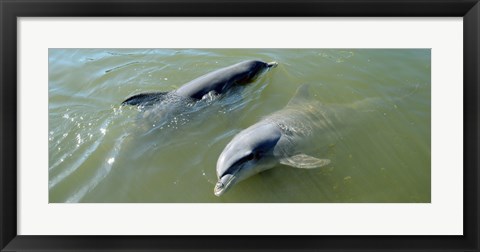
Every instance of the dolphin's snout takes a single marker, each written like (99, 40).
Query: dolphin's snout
(223, 184)
(219, 189)
(272, 64)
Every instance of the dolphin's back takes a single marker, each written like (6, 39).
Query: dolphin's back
(298, 121)
(221, 79)
(216, 82)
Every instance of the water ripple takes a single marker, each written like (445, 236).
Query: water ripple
(81, 158)
(101, 173)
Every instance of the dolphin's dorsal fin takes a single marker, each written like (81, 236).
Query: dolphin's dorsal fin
(302, 94)
(145, 99)
(304, 161)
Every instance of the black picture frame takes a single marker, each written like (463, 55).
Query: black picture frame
(10, 10)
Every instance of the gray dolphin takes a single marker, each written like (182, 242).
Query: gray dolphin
(276, 139)
(213, 83)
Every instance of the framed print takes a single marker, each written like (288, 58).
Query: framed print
(205, 125)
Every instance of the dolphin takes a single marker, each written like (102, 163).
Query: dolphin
(276, 139)
(213, 83)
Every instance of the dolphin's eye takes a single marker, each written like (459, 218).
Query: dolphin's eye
(252, 156)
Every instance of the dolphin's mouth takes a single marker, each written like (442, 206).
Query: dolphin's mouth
(219, 189)
(223, 184)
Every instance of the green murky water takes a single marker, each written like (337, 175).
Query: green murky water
(102, 152)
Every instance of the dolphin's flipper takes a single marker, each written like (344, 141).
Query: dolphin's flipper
(304, 161)
(144, 99)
